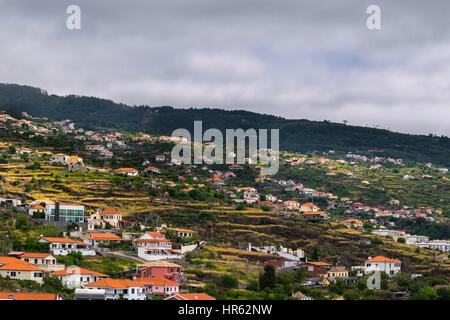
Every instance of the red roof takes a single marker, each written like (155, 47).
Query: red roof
(319, 263)
(109, 211)
(157, 281)
(27, 296)
(55, 239)
(114, 283)
(35, 255)
(104, 237)
(38, 207)
(193, 296)
(313, 212)
(382, 259)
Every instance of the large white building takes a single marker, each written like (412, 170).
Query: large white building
(67, 212)
(380, 263)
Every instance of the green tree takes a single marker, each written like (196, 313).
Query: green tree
(338, 287)
(21, 222)
(351, 295)
(268, 278)
(227, 281)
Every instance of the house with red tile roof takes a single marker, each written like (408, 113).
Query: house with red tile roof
(314, 215)
(97, 238)
(76, 277)
(381, 263)
(152, 269)
(63, 246)
(154, 246)
(116, 289)
(128, 171)
(307, 207)
(44, 261)
(160, 286)
(21, 270)
(100, 219)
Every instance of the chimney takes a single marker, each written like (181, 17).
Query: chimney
(56, 211)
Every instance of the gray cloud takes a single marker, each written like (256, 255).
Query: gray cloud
(298, 59)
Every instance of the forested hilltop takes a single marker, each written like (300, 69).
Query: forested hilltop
(295, 135)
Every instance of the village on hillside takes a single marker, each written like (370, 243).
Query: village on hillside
(107, 215)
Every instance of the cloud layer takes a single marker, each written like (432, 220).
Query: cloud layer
(298, 59)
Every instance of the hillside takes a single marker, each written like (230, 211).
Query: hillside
(295, 135)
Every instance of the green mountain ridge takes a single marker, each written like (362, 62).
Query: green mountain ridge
(295, 135)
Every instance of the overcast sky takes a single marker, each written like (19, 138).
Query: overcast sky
(298, 59)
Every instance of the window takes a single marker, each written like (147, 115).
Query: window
(13, 273)
(38, 274)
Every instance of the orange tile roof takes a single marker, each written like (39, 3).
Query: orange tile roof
(75, 270)
(313, 212)
(155, 234)
(194, 296)
(56, 239)
(114, 283)
(382, 259)
(157, 281)
(38, 207)
(104, 237)
(109, 211)
(126, 170)
(27, 296)
(10, 263)
(319, 263)
(181, 230)
(309, 204)
(35, 255)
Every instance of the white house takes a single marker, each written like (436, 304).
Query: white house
(96, 238)
(76, 277)
(60, 158)
(308, 207)
(109, 215)
(20, 270)
(120, 288)
(184, 233)
(128, 171)
(380, 263)
(41, 260)
(63, 246)
(37, 208)
(154, 246)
